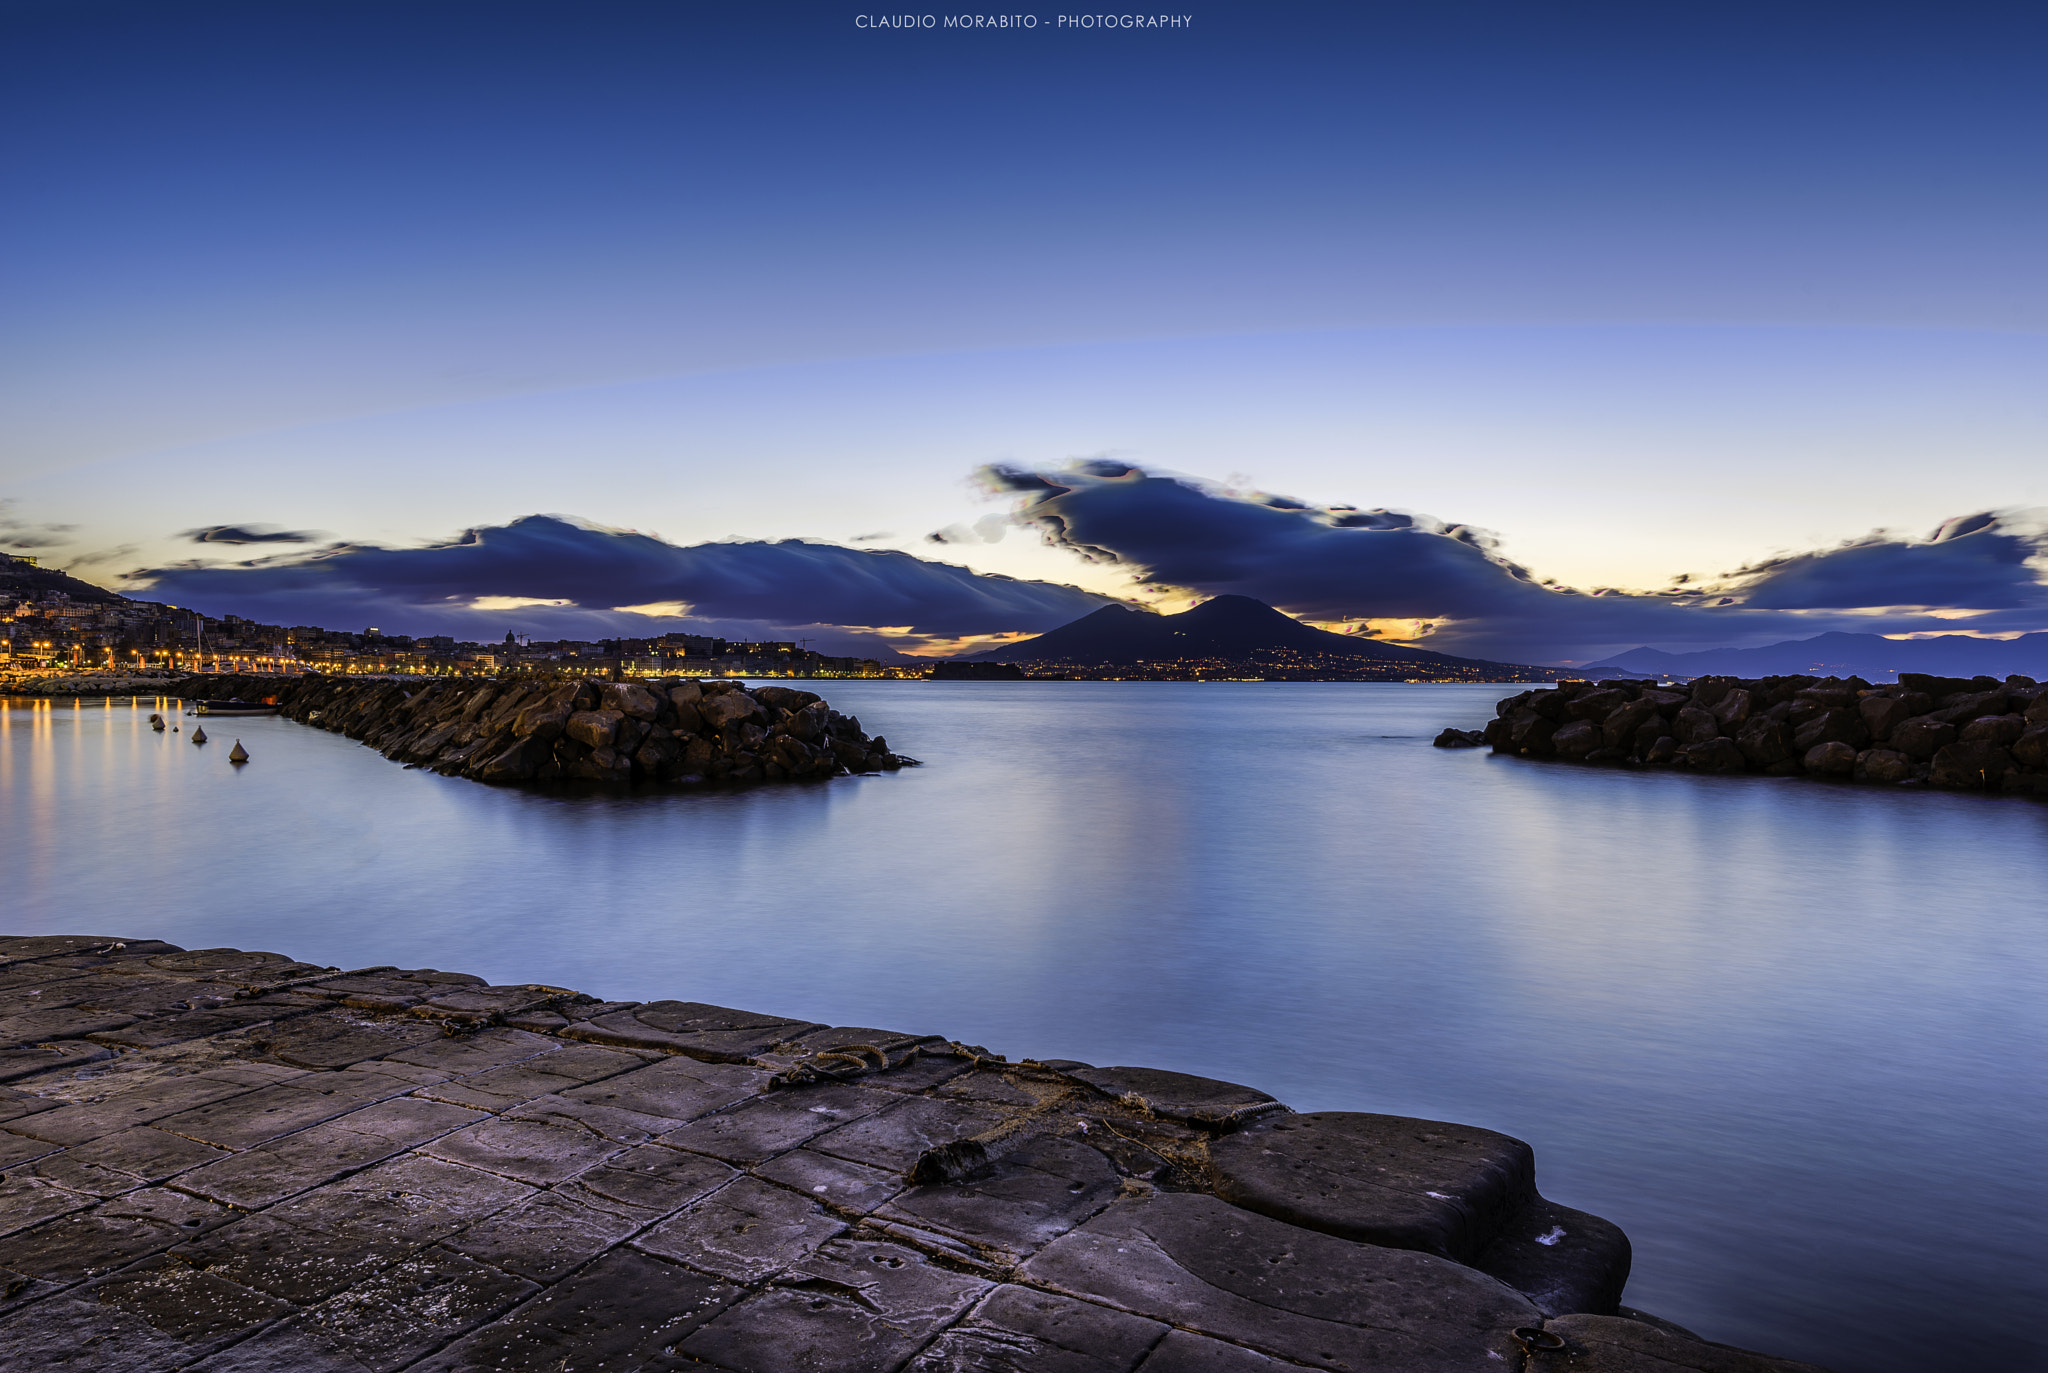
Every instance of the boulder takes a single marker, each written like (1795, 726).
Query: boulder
(1620, 724)
(2037, 711)
(1830, 759)
(1696, 725)
(1450, 738)
(1883, 765)
(1882, 714)
(1598, 705)
(1837, 724)
(1922, 737)
(546, 717)
(1968, 705)
(1719, 754)
(1969, 767)
(629, 699)
(1733, 711)
(1664, 750)
(2030, 750)
(1577, 739)
(1763, 742)
(784, 698)
(594, 728)
(2002, 730)
(728, 708)
(686, 693)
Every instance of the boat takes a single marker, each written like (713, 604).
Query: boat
(237, 707)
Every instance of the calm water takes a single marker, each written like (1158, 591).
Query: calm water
(1789, 1036)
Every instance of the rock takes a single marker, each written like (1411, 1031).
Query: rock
(728, 708)
(1764, 742)
(1618, 729)
(2002, 730)
(1831, 759)
(546, 718)
(1968, 705)
(1663, 751)
(594, 728)
(1387, 1180)
(1733, 711)
(1179, 1096)
(1610, 1344)
(1720, 754)
(1837, 724)
(1529, 733)
(1450, 738)
(2030, 750)
(784, 698)
(1560, 1259)
(629, 699)
(1882, 714)
(1922, 737)
(1883, 765)
(1969, 767)
(1598, 705)
(1576, 740)
(1695, 725)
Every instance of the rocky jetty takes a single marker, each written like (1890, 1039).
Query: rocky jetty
(1971, 734)
(677, 731)
(235, 1162)
(117, 682)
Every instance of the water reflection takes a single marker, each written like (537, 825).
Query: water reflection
(1788, 1035)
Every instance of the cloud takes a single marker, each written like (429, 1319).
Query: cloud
(19, 533)
(250, 533)
(551, 576)
(1333, 562)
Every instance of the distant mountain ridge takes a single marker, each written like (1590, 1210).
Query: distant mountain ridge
(1242, 632)
(1869, 656)
(20, 577)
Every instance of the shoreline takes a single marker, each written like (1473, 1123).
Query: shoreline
(395, 1168)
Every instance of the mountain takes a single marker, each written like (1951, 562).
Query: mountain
(20, 577)
(1869, 656)
(1236, 635)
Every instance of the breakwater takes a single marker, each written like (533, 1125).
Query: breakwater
(677, 731)
(226, 1159)
(1977, 734)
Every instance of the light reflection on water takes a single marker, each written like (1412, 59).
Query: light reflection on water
(1787, 1035)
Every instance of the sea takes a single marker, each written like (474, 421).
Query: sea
(1789, 1035)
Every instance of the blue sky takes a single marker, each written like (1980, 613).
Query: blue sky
(1642, 290)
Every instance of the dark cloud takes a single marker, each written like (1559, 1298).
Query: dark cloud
(1337, 562)
(551, 576)
(250, 533)
(20, 533)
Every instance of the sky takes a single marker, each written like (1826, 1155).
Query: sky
(631, 295)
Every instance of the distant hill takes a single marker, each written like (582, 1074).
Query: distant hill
(1238, 636)
(1869, 656)
(19, 577)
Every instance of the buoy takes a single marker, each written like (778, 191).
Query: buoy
(199, 735)
(156, 722)
(238, 754)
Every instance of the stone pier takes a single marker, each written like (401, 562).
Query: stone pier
(232, 1161)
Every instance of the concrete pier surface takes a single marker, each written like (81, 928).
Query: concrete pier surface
(228, 1160)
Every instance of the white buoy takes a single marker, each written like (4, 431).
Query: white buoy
(238, 755)
(199, 735)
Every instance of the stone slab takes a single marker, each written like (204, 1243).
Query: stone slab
(714, 1034)
(1196, 1262)
(1022, 1328)
(760, 1128)
(744, 1232)
(1178, 1096)
(1412, 1184)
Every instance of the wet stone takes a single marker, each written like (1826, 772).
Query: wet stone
(1196, 1262)
(413, 1307)
(655, 1179)
(89, 1337)
(1609, 1344)
(766, 1126)
(624, 1311)
(404, 1202)
(335, 1039)
(498, 1087)
(123, 1162)
(715, 1034)
(291, 1262)
(897, 1137)
(16, 1149)
(855, 1307)
(1178, 1096)
(744, 1231)
(1020, 1328)
(216, 1020)
(89, 1243)
(250, 1118)
(677, 1089)
(29, 1060)
(838, 1183)
(200, 1310)
(1030, 1198)
(602, 1119)
(1411, 1184)
(1182, 1352)
(554, 1232)
(274, 1171)
(1563, 1260)
(81, 1123)
(26, 1200)
(531, 1151)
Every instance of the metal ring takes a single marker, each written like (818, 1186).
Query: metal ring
(1534, 1339)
